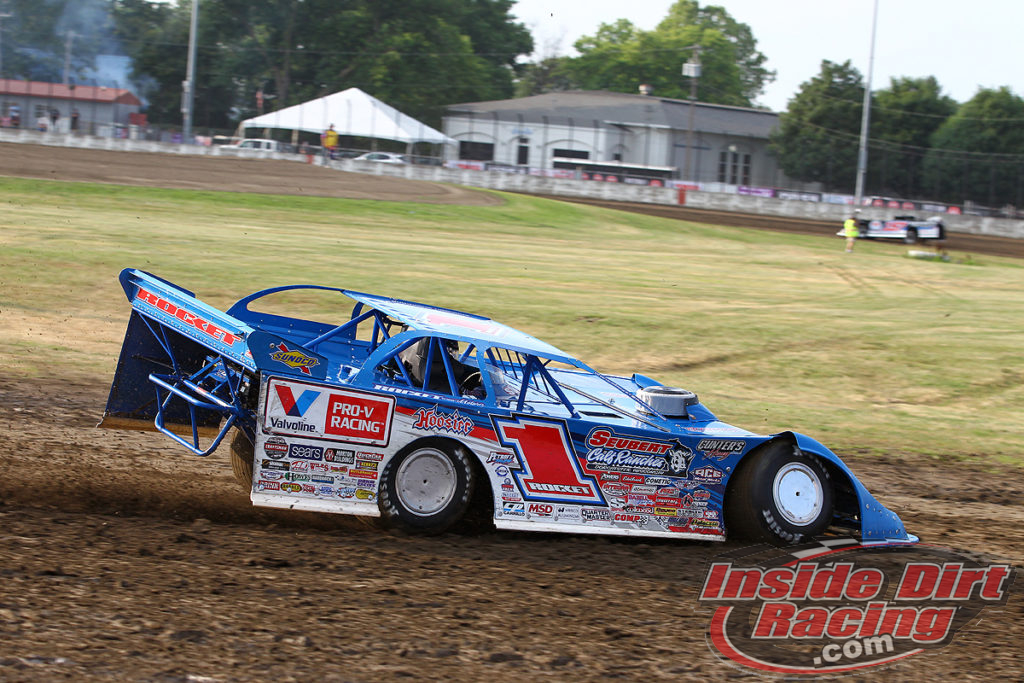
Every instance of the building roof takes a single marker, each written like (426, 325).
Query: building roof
(584, 108)
(59, 91)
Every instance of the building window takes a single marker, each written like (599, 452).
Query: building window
(733, 168)
(570, 154)
(476, 151)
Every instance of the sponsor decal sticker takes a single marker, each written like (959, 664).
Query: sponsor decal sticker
(298, 451)
(833, 607)
(708, 474)
(275, 447)
(720, 449)
(339, 455)
(540, 509)
(293, 358)
(437, 420)
(627, 454)
(301, 409)
(275, 465)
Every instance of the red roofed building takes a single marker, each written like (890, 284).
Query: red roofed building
(27, 104)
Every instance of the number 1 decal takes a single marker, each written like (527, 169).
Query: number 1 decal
(548, 470)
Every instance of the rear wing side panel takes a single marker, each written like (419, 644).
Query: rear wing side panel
(178, 309)
(185, 368)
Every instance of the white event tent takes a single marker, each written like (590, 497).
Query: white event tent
(351, 112)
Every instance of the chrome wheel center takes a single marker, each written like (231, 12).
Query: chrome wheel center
(798, 494)
(425, 482)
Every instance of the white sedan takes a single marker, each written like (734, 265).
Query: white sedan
(384, 157)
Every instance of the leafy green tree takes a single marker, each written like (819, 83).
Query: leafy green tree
(978, 153)
(903, 118)
(817, 137)
(620, 57)
(417, 55)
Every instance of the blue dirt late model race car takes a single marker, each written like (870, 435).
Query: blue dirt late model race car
(404, 410)
(905, 228)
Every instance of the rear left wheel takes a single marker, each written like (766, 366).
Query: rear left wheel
(426, 488)
(242, 459)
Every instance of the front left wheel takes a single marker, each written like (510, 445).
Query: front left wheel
(783, 496)
(426, 488)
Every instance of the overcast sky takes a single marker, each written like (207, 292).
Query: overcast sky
(965, 45)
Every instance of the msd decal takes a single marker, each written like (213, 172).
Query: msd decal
(295, 408)
(548, 470)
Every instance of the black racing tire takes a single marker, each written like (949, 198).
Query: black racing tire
(242, 459)
(911, 237)
(426, 487)
(782, 496)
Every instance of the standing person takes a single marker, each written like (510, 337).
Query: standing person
(15, 112)
(54, 118)
(851, 231)
(330, 141)
(74, 120)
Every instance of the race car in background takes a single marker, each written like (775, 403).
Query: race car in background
(906, 228)
(402, 410)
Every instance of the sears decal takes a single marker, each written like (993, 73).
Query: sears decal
(300, 451)
(296, 408)
(610, 451)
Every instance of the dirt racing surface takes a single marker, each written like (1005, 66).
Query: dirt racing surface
(124, 559)
(223, 173)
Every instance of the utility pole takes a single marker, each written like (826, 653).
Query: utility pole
(691, 69)
(67, 56)
(188, 85)
(865, 119)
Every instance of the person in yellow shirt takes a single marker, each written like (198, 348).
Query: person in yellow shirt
(330, 141)
(851, 231)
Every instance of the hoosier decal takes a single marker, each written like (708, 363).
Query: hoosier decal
(437, 420)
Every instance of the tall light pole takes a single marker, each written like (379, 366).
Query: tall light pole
(691, 69)
(865, 119)
(188, 85)
(3, 15)
(67, 56)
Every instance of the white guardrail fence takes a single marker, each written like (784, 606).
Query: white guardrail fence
(467, 173)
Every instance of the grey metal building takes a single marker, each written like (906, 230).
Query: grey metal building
(601, 131)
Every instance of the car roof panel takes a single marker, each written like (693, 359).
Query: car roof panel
(459, 325)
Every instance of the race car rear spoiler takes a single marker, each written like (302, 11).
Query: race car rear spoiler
(183, 366)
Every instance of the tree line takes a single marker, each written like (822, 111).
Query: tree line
(420, 56)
